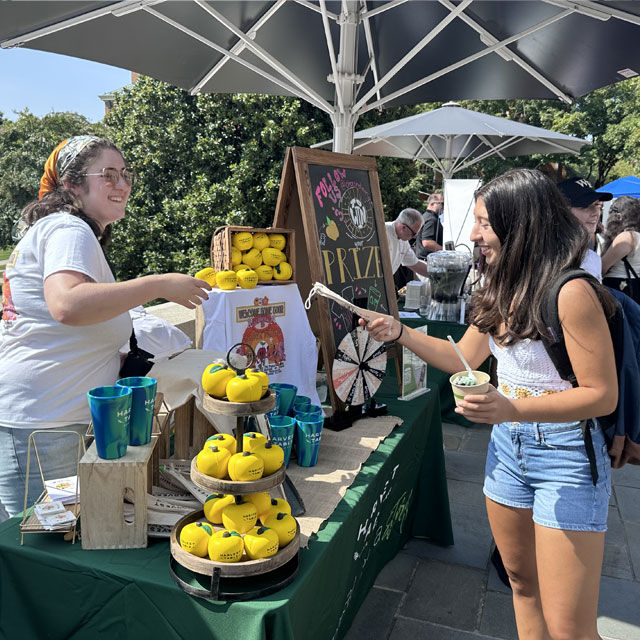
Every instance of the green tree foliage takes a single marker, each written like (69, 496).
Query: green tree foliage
(203, 161)
(25, 144)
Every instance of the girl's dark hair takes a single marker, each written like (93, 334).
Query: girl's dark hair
(539, 239)
(624, 215)
(63, 200)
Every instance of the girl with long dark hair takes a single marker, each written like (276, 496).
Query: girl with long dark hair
(547, 516)
(64, 318)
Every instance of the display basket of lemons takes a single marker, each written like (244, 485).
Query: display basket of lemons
(246, 557)
(269, 253)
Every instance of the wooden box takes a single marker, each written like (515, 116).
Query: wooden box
(103, 484)
(221, 248)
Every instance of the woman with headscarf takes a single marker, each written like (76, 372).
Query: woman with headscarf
(547, 510)
(64, 316)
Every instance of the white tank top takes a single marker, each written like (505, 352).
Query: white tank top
(618, 270)
(525, 369)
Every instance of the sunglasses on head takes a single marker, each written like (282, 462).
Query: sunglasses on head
(112, 175)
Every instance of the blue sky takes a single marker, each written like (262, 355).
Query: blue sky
(45, 82)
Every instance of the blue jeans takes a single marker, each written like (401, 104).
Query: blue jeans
(58, 453)
(544, 467)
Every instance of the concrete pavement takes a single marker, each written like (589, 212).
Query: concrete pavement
(453, 593)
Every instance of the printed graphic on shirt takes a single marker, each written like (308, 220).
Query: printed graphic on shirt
(9, 315)
(263, 334)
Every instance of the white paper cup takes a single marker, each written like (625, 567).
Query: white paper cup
(459, 391)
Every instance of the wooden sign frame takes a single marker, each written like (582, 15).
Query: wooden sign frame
(295, 210)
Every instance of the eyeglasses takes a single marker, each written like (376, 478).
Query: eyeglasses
(410, 230)
(111, 175)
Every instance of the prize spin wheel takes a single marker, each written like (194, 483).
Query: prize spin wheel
(358, 368)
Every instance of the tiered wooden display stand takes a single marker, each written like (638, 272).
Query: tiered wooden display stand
(247, 579)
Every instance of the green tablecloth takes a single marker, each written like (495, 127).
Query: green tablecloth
(52, 589)
(439, 380)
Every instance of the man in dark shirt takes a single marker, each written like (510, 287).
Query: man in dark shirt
(429, 238)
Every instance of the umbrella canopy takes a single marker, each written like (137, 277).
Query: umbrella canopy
(628, 186)
(349, 56)
(451, 138)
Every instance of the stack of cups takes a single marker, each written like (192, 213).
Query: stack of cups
(285, 395)
(282, 431)
(122, 414)
(308, 434)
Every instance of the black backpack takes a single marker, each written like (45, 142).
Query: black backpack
(622, 427)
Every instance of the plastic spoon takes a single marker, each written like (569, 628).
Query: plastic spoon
(464, 362)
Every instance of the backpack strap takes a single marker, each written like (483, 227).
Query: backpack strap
(556, 348)
(629, 269)
(554, 339)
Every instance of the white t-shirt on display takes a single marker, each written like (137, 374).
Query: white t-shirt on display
(46, 367)
(400, 250)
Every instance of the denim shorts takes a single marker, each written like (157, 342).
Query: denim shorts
(544, 466)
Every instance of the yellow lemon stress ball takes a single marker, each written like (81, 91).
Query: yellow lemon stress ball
(247, 278)
(226, 546)
(208, 275)
(260, 241)
(277, 241)
(214, 505)
(194, 538)
(261, 542)
(226, 280)
(242, 240)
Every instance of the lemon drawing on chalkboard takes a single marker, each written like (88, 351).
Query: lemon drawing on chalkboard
(332, 230)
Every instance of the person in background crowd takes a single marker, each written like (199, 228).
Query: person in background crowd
(621, 250)
(429, 238)
(64, 316)
(585, 203)
(399, 232)
(547, 508)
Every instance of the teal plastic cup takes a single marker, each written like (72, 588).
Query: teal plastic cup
(275, 411)
(282, 431)
(143, 401)
(287, 393)
(308, 434)
(110, 408)
(310, 409)
(300, 403)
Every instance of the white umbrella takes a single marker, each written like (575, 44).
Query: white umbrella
(350, 56)
(451, 139)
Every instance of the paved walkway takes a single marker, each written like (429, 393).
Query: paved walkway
(453, 593)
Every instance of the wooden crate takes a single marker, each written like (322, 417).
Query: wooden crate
(103, 484)
(221, 248)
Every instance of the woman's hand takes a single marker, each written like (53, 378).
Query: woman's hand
(490, 408)
(383, 329)
(183, 289)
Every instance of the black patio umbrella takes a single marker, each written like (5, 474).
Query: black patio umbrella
(346, 57)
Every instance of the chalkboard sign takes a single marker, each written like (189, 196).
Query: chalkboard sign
(333, 201)
(349, 242)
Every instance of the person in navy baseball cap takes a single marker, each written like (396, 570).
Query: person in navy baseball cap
(585, 203)
(580, 194)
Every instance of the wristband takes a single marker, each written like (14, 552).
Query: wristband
(400, 334)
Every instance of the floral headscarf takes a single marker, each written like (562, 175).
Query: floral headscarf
(60, 160)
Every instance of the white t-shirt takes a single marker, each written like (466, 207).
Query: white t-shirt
(46, 368)
(400, 250)
(592, 263)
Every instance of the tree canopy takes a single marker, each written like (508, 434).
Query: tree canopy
(209, 160)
